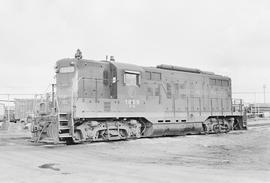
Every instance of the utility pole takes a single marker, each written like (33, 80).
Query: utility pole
(264, 87)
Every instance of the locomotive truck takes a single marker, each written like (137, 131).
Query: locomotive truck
(107, 100)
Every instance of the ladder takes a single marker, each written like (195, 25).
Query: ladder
(65, 126)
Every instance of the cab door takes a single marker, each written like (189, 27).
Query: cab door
(113, 81)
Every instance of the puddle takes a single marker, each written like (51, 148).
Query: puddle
(49, 166)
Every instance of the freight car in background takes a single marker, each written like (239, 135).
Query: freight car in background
(2, 114)
(11, 112)
(108, 100)
(6, 111)
(25, 109)
(258, 110)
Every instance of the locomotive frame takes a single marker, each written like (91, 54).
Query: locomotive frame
(107, 100)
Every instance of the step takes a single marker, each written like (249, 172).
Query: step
(63, 123)
(64, 127)
(63, 120)
(62, 113)
(64, 135)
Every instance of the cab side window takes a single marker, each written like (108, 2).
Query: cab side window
(132, 78)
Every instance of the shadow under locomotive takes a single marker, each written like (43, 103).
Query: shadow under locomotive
(107, 100)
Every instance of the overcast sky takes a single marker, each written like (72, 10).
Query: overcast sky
(229, 37)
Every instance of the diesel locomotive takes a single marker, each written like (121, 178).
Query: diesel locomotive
(107, 100)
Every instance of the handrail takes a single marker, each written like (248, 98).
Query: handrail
(57, 105)
(91, 78)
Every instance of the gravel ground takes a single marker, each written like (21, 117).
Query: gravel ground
(240, 156)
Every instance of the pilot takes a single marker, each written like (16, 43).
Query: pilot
(78, 54)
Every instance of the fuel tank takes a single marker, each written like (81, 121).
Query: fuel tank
(173, 129)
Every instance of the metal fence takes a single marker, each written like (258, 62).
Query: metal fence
(253, 97)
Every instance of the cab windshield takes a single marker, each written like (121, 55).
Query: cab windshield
(68, 69)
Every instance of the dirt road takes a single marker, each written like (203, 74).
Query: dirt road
(241, 156)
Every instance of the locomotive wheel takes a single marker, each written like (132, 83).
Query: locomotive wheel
(216, 128)
(226, 128)
(123, 133)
